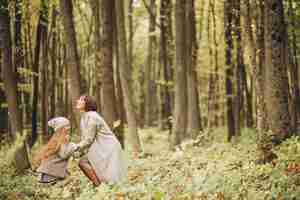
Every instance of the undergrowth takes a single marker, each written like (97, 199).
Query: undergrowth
(205, 168)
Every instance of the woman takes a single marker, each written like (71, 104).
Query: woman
(52, 160)
(102, 159)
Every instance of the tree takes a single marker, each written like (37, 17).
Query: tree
(41, 34)
(180, 110)
(166, 52)
(228, 23)
(125, 78)
(193, 117)
(104, 57)
(150, 66)
(73, 61)
(10, 85)
(259, 72)
(276, 71)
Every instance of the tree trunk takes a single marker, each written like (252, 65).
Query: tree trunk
(10, 85)
(133, 136)
(180, 112)
(166, 57)
(41, 30)
(150, 67)
(294, 70)
(228, 19)
(44, 71)
(108, 88)
(276, 72)
(104, 58)
(130, 31)
(54, 52)
(95, 6)
(216, 79)
(73, 61)
(239, 66)
(211, 82)
(253, 55)
(193, 117)
(259, 73)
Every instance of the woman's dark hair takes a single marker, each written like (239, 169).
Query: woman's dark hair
(90, 103)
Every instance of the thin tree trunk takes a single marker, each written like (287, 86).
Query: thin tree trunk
(129, 103)
(294, 65)
(95, 5)
(211, 82)
(228, 19)
(44, 71)
(193, 117)
(180, 112)
(130, 31)
(239, 67)
(35, 68)
(73, 61)
(54, 62)
(259, 73)
(216, 93)
(150, 67)
(253, 55)
(44, 84)
(166, 57)
(108, 89)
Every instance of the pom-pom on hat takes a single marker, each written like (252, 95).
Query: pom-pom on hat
(58, 122)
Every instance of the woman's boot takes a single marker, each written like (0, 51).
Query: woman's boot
(87, 169)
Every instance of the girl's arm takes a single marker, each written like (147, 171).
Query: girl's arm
(66, 150)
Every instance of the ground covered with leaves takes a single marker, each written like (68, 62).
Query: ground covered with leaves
(207, 168)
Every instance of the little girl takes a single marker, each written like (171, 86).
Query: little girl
(52, 159)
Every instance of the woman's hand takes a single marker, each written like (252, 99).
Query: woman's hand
(77, 154)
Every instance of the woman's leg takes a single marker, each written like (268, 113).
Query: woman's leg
(88, 170)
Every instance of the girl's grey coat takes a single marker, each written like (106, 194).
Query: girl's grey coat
(102, 148)
(56, 165)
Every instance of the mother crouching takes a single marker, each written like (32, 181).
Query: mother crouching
(102, 157)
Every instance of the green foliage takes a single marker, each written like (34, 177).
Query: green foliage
(208, 170)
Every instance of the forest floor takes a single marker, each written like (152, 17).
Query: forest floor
(207, 168)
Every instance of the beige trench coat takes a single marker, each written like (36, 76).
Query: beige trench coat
(57, 164)
(102, 148)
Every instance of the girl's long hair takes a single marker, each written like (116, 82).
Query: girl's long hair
(52, 147)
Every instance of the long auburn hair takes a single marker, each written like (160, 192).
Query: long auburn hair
(52, 147)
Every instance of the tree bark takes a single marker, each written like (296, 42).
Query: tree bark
(129, 103)
(294, 67)
(180, 112)
(194, 117)
(167, 50)
(108, 88)
(54, 52)
(259, 73)
(216, 79)
(228, 20)
(10, 85)
(73, 61)
(239, 67)
(44, 72)
(249, 31)
(276, 72)
(150, 67)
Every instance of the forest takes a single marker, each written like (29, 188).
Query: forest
(203, 95)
